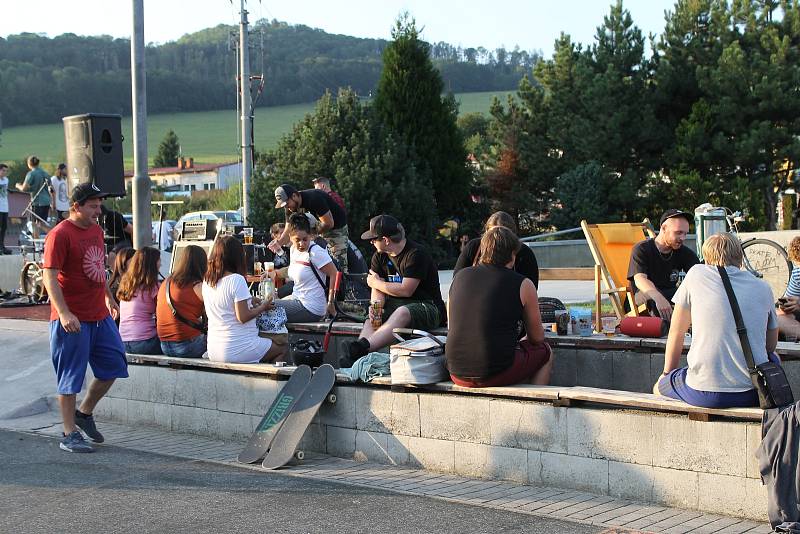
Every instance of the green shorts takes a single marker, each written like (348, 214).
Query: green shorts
(424, 313)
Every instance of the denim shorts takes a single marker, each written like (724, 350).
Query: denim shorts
(674, 385)
(190, 348)
(97, 344)
(145, 346)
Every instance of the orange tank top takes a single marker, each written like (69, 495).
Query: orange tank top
(186, 303)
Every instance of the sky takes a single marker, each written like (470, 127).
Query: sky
(530, 24)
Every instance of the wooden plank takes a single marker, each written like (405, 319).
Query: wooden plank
(566, 273)
(652, 402)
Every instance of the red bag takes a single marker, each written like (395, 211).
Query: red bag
(644, 326)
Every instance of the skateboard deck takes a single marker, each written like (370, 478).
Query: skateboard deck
(291, 432)
(271, 423)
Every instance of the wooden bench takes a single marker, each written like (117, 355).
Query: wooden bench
(557, 395)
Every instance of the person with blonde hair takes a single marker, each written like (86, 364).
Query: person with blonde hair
(717, 374)
(486, 303)
(789, 303)
(525, 263)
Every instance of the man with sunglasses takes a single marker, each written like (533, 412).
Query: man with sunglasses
(404, 278)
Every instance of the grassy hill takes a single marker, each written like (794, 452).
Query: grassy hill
(208, 137)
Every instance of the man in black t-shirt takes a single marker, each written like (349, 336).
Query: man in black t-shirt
(330, 219)
(404, 277)
(659, 265)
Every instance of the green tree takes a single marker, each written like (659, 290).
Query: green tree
(344, 139)
(409, 101)
(168, 151)
(583, 194)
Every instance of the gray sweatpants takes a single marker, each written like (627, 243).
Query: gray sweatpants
(296, 312)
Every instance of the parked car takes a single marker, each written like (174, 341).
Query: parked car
(230, 216)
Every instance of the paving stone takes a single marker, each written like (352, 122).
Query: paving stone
(528, 425)
(597, 510)
(566, 503)
(581, 506)
(610, 516)
(678, 519)
(647, 521)
(692, 524)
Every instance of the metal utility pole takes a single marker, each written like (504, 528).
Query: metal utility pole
(246, 125)
(142, 229)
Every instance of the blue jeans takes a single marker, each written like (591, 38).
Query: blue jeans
(145, 346)
(191, 348)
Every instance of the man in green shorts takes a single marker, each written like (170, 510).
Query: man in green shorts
(405, 280)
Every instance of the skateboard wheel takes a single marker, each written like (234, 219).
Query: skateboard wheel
(299, 455)
(332, 398)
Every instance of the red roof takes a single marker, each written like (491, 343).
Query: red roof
(198, 167)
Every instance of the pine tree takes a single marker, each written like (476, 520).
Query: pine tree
(168, 151)
(409, 101)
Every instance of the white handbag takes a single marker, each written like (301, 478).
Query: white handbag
(418, 358)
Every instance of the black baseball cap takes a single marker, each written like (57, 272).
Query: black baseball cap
(381, 226)
(83, 192)
(672, 213)
(282, 194)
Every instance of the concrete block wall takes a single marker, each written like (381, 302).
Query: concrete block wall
(666, 459)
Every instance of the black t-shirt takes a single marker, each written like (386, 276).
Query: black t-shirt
(318, 203)
(525, 264)
(114, 225)
(485, 309)
(664, 270)
(412, 262)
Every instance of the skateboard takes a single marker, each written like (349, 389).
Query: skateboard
(281, 407)
(284, 446)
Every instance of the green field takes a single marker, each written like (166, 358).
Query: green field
(208, 137)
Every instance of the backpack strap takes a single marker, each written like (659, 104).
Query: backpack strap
(314, 269)
(197, 326)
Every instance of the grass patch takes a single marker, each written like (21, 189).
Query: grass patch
(207, 136)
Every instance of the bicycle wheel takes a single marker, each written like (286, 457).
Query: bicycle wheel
(767, 260)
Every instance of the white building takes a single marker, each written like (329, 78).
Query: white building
(188, 177)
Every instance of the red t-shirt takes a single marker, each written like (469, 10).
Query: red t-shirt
(79, 255)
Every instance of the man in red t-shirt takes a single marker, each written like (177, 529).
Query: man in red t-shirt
(82, 312)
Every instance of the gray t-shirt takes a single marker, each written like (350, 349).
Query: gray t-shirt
(716, 361)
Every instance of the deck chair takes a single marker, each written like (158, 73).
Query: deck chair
(611, 246)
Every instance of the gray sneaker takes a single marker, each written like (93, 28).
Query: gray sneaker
(74, 442)
(86, 423)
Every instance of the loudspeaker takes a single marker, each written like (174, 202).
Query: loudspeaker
(94, 152)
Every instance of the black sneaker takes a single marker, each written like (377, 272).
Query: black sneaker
(355, 350)
(86, 423)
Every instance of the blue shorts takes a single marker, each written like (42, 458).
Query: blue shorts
(97, 344)
(674, 386)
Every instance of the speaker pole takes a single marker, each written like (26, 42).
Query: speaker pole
(246, 124)
(142, 230)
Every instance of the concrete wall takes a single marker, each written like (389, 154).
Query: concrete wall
(639, 455)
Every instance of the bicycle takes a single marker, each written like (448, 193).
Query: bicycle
(764, 258)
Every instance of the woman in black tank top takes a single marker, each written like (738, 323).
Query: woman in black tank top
(486, 303)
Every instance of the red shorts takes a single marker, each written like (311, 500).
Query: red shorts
(528, 359)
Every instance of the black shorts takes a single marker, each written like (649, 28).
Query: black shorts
(42, 211)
